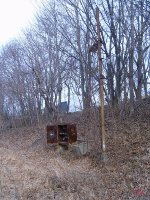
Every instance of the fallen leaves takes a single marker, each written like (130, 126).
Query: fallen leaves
(29, 169)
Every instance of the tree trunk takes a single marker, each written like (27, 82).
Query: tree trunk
(131, 58)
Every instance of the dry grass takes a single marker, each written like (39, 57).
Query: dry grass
(29, 169)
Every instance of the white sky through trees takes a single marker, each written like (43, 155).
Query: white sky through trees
(15, 15)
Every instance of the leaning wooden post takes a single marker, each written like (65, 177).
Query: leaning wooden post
(101, 85)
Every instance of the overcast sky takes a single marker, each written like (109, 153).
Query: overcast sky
(14, 16)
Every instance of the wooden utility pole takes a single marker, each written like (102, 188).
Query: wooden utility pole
(101, 84)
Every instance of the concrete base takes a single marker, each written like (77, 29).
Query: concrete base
(104, 157)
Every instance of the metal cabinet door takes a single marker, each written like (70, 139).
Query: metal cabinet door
(72, 132)
(52, 136)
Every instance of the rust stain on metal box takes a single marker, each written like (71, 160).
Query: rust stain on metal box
(62, 134)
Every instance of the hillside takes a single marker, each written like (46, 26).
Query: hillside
(29, 169)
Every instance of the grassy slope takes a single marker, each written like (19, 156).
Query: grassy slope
(31, 170)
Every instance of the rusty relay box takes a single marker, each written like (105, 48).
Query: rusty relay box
(61, 134)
